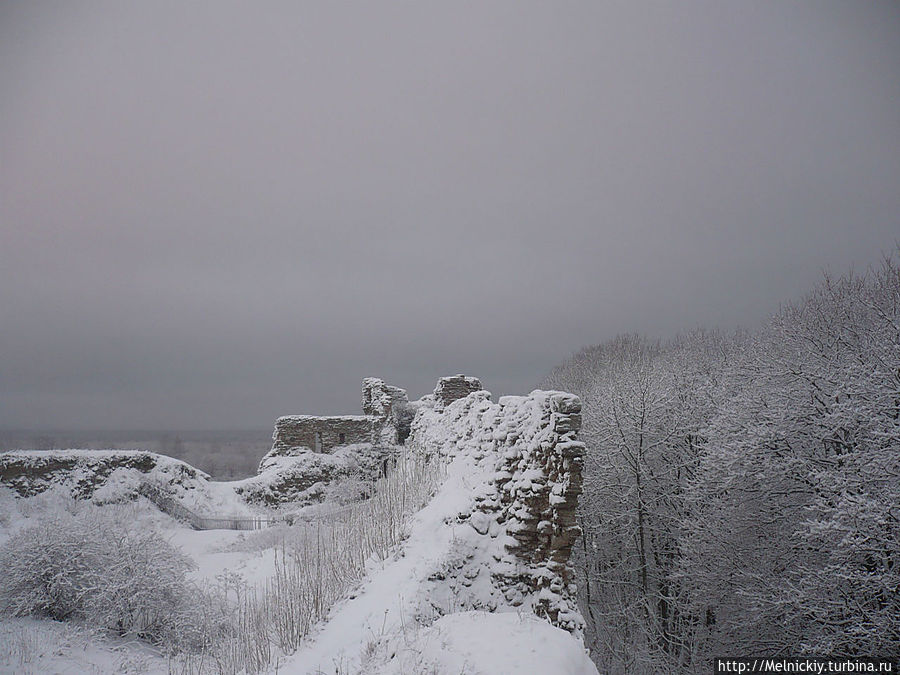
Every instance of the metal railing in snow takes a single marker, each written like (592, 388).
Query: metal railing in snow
(167, 504)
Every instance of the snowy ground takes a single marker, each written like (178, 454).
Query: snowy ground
(34, 647)
(212, 551)
(390, 624)
(483, 643)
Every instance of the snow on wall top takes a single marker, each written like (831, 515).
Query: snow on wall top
(293, 419)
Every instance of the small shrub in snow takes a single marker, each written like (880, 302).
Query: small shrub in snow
(348, 490)
(91, 566)
(54, 500)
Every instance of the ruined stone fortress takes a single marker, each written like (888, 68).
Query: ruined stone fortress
(520, 455)
(528, 457)
(387, 415)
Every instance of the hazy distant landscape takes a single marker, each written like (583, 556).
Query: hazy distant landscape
(224, 455)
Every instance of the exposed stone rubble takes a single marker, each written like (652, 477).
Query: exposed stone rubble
(300, 476)
(453, 388)
(523, 514)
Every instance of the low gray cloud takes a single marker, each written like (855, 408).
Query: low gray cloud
(214, 214)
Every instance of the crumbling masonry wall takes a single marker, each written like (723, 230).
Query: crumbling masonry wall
(386, 419)
(453, 388)
(322, 433)
(524, 513)
(390, 407)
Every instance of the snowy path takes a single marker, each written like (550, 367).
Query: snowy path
(387, 601)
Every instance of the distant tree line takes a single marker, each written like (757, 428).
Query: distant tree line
(742, 491)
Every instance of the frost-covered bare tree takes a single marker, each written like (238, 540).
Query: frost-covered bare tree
(643, 415)
(851, 599)
(796, 538)
(741, 492)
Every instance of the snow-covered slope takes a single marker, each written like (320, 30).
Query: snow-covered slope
(296, 477)
(107, 476)
(483, 643)
(300, 476)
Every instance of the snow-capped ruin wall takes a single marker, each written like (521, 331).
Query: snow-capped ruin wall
(310, 453)
(453, 388)
(385, 421)
(390, 407)
(321, 434)
(523, 514)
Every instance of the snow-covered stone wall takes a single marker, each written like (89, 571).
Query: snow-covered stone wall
(453, 388)
(322, 434)
(390, 408)
(523, 506)
(85, 472)
(385, 421)
(109, 476)
(380, 399)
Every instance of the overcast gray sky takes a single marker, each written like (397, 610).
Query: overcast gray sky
(212, 214)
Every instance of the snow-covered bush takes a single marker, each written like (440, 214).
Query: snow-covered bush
(91, 566)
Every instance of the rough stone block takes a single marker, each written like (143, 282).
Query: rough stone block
(453, 388)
